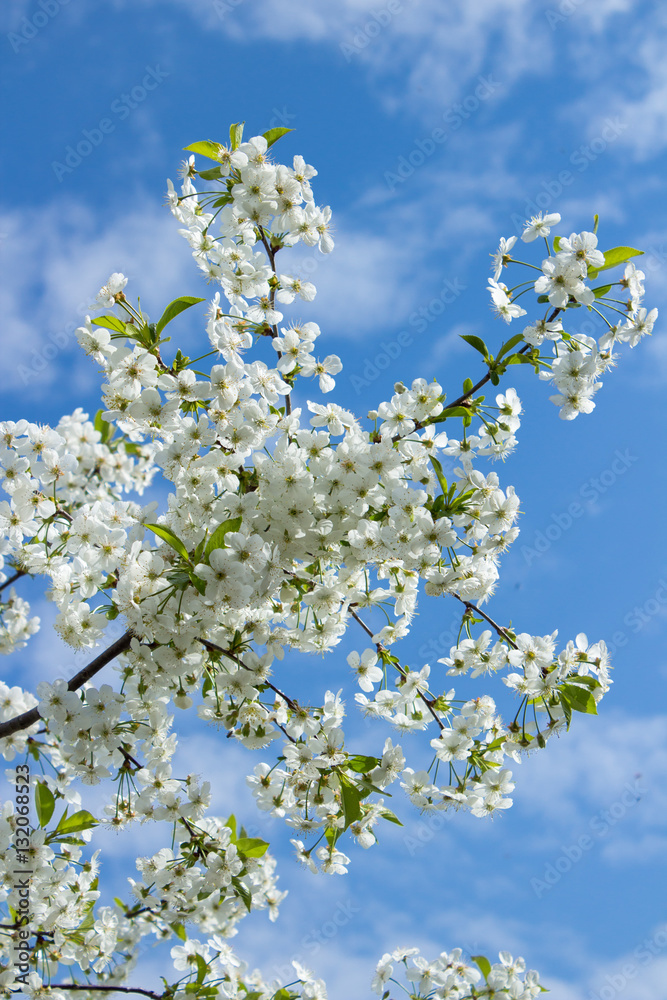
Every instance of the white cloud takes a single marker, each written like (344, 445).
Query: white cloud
(55, 259)
(604, 781)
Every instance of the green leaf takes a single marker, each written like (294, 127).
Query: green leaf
(520, 359)
(252, 847)
(170, 538)
(579, 698)
(202, 969)
(206, 148)
(455, 411)
(242, 891)
(477, 343)
(351, 797)
(45, 803)
(197, 582)
(173, 309)
(81, 820)
(601, 290)
(103, 426)
(179, 931)
(557, 240)
(217, 539)
(231, 823)
(236, 134)
(362, 764)
(390, 817)
(613, 257)
(274, 134)
(439, 473)
(596, 220)
(483, 964)
(511, 343)
(214, 174)
(110, 323)
(586, 680)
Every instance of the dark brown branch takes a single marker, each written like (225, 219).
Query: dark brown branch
(232, 656)
(12, 579)
(107, 989)
(29, 718)
(502, 632)
(429, 702)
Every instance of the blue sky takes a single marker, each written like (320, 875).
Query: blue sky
(560, 106)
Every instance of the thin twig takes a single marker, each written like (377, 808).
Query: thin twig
(380, 648)
(502, 632)
(29, 718)
(10, 581)
(107, 989)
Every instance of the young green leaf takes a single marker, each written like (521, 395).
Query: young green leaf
(483, 964)
(511, 343)
(477, 343)
(274, 134)
(167, 535)
(362, 764)
(211, 150)
(217, 539)
(579, 698)
(214, 174)
(173, 309)
(81, 820)
(236, 134)
(351, 797)
(390, 817)
(439, 473)
(613, 257)
(110, 323)
(252, 847)
(45, 803)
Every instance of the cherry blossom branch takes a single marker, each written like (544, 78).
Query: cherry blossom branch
(19, 573)
(29, 718)
(502, 632)
(462, 400)
(226, 652)
(380, 648)
(107, 989)
(271, 253)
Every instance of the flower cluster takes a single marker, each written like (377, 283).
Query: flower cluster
(579, 360)
(450, 977)
(281, 527)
